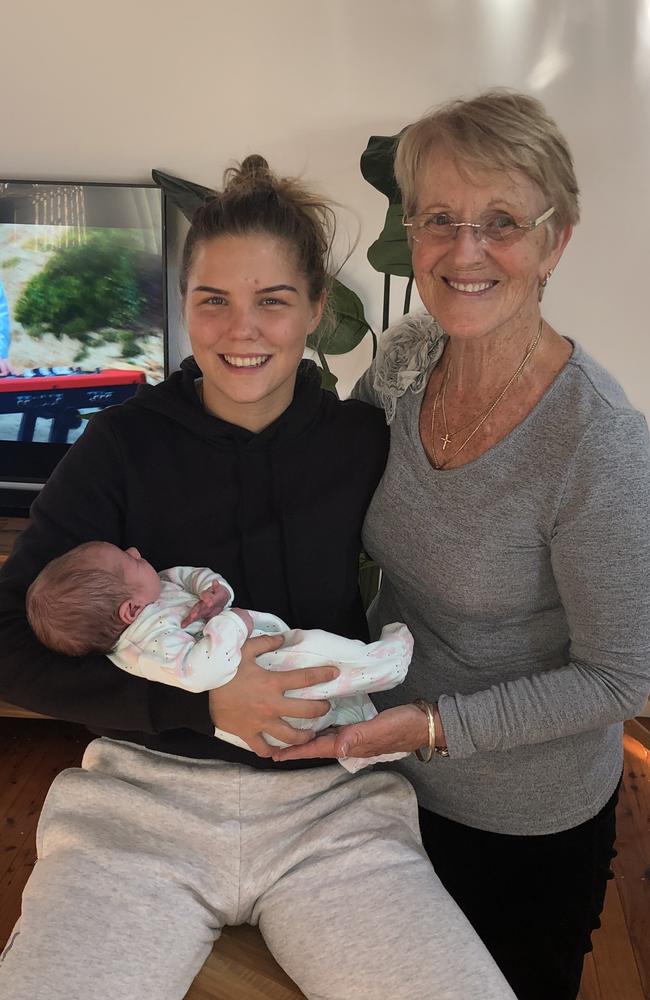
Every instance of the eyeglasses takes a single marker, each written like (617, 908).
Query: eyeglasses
(439, 227)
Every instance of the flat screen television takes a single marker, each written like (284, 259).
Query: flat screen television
(83, 317)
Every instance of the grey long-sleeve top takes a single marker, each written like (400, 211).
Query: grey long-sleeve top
(524, 577)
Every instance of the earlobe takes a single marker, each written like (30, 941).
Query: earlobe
(553, 257)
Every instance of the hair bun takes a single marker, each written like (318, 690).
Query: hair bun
(254, 164)
(255, 200)
(250, 175)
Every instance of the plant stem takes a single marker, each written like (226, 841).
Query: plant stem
(407, 297)
(374, 342)
(386, 318)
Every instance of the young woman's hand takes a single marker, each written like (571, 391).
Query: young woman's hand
(401, 729)
(253, 702)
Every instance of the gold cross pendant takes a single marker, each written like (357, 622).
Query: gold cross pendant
(445, 441)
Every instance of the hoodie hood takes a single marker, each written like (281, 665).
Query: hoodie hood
(177, 400)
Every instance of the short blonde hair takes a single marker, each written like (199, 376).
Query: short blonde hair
(498, 130)
(73, 604)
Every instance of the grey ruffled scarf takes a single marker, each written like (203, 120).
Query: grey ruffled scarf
(407, 352)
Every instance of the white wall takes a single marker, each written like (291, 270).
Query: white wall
(106, 91)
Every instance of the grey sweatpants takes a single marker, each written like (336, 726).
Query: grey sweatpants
(144, 857)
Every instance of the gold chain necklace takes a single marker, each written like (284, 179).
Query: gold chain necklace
(483, 416)
(459, 430)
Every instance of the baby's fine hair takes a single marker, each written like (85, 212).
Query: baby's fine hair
(73, 605)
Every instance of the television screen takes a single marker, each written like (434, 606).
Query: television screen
(82, 311)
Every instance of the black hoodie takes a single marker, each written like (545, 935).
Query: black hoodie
(278, 513)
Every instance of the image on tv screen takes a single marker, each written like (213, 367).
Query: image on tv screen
(82, 320)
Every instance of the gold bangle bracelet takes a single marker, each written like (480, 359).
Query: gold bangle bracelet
(425, 707)
(432, 749)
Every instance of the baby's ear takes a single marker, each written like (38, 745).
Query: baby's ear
(128, 611)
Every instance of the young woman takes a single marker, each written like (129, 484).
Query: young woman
(166, 833)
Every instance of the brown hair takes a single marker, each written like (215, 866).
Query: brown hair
(500, 129)
(72, 605)
(254, 200)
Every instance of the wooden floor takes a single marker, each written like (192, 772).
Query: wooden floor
(33, 751)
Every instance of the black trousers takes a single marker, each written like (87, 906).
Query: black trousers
(533, 900)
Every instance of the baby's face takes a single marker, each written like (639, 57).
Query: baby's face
(141, 579)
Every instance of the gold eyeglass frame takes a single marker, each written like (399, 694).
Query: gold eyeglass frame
(477, 227)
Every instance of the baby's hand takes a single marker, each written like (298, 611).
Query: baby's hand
(211, 602)
(246, 617)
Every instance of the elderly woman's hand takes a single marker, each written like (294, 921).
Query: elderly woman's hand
(253, 702)
(401, 729)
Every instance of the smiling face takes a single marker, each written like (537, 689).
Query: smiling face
(475, 287)
(248, 315)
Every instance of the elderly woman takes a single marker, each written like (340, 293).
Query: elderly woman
(512, 527)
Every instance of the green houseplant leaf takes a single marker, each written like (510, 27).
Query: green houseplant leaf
(377, 165)
(350, 324)
(328, 379)
(369, 579)
(390, 253)
(186, 195)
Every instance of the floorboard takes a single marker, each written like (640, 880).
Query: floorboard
(632, 865)
(33, 751)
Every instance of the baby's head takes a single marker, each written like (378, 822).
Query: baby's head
(81, 602)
